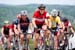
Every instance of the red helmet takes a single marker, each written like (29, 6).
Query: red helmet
(19, 16)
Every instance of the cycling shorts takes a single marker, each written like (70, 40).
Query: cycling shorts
(55, 30)
(38, 27)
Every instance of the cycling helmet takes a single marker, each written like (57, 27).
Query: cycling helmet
(41, 6)
(65, 19)
(6, 22)
(54, 12)
(24, 12)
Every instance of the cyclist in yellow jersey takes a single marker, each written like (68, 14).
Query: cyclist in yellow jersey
(54, 24)
(54, 21)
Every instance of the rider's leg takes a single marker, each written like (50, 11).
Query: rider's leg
(1, 41)
(11, 35)
(17, 34)
(47, 34)
(56, 36)
(55, 42)
(28, 38)
(36, 37)
(61, 36)
(8, 42)
(21, 39)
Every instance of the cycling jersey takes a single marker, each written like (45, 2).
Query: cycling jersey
(6, 30)
(24, 24)
(12, 27)
(67, 24)
(16, 21)
(55, 21)
(40, 18)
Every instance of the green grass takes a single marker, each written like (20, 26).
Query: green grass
(1, 47)
(31, 44)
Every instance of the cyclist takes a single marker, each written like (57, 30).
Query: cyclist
(66, 27)
(54, 24)
(7, 32)
(23, 25)
(65, 22)
(39, 18)
(15, 23)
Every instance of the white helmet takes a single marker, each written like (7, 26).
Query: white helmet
(24, 12)
(54, 12)
(6, 22)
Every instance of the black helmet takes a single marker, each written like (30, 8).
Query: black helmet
(65, 19)
(41, 6)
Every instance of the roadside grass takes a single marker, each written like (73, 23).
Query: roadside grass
(31, 44)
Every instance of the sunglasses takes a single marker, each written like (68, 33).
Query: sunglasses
(42, 9)
(24, 15)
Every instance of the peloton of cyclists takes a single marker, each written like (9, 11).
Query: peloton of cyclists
(40, 20)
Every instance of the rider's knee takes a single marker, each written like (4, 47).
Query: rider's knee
(11, 34)
(37, 36)
(28, 36)
(21, 36)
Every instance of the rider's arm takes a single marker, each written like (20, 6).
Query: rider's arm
(19, 28)
(33, 22)
(47, 20)
(15, 29)
(2, 31)
(62, 25)
(35, 15)
(49, 23)
(59, 22)
(71, 28)
(28, 20)
(31, 26)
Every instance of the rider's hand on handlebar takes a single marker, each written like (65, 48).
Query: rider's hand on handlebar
(49, 28)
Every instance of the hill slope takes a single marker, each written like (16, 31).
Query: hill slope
(8, 12)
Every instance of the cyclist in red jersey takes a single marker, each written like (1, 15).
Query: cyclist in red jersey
(39, 19)
(67, 25)
(7, 32)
